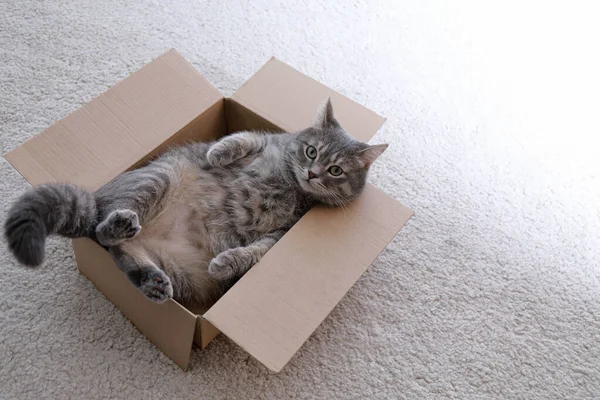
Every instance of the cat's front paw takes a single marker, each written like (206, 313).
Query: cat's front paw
(228, 265)
(219, 155)
(221, 267)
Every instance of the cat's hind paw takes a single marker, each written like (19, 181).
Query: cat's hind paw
(155, 284)
(120, 225)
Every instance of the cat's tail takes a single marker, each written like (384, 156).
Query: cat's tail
(54, 208)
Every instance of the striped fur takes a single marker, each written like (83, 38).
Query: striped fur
(193, 221)
(61, 209)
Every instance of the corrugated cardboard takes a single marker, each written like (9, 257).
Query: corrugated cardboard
(275, 307)
(122, 126)
(168, 325)
(289, 99)
(305, 275)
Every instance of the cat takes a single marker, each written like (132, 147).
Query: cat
(193, 221)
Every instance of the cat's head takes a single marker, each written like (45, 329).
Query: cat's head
(328, 163)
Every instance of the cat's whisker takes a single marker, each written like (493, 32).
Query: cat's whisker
(339, 202)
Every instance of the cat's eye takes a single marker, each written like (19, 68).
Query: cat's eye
(335, 170)
(311, 152)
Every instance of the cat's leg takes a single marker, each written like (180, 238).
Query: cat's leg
(234, 263)
(131, 199)
(234, 147)
(133, 260)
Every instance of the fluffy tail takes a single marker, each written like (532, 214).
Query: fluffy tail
(63, 209)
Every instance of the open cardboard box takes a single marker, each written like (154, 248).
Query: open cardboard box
(277, 305)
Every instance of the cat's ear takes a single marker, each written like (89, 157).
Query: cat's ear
(371, 153)
(325, 118)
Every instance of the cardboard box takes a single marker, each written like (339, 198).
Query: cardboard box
(277, 305)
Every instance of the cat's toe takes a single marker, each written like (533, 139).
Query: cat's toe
(220, 269)
(156, 285)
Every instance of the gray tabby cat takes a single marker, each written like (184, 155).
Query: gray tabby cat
(209, 211)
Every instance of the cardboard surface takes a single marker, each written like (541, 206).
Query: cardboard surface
(168, 325)
(276, 306)
(205, 332)
(239, 118)
(289, 99)
(118, 128)
(210, 125)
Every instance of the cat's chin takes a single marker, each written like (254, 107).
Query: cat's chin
(318, 194)
(312, 190)
(307, 187)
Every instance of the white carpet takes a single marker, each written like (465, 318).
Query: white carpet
(491, 291)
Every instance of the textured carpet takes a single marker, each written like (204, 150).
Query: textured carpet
(491, 291)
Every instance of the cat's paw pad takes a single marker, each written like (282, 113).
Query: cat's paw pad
(218, 155)
(156, 285)
(123, 224)
(222, 267)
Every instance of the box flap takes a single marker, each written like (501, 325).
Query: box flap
(289, 99)
(205, 332)
(275, 307)
(169, 326)
(118, 128)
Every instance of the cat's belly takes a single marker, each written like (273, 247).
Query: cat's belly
(177, 240)
(177, 236)
(205, 214)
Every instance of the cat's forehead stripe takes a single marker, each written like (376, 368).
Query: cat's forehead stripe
(334, 158)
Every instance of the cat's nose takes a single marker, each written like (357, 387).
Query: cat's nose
(311, 175)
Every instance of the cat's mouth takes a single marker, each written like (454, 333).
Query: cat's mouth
(316, 186)
(308, 184)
